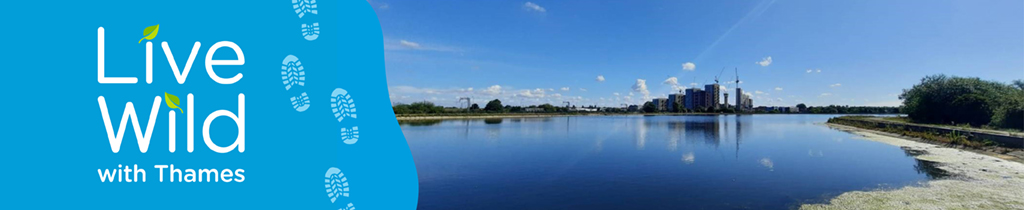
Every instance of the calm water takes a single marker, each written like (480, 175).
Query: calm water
(653, 162)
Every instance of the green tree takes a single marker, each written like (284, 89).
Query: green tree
(474, 107)
(801, 107)
(493, 106)
(964, 100)
(649, 107)
(548, 107)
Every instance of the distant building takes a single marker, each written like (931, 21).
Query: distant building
(695, 99)
(582, 109)
(660, 104)
(743, 101)
(739, 99)
(711, 93)
(748, 103)
(673, 99)
(726, 99)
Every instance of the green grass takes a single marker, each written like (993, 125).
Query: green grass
(953, 138)
(964, 125)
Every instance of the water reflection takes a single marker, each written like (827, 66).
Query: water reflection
(493, 120)
(767, 163)
(929, 168)
(812, 153)
(588, 162)
(419, 122)
(688, 158)
(641, 133)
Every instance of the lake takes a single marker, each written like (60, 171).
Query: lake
(648, 162)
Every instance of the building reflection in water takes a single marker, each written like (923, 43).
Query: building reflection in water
(711, 131)
(641, 132)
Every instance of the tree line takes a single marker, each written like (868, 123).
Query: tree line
(493, 106)
(941, 99)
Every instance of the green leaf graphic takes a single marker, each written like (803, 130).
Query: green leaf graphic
(150, 32)
(173, 102)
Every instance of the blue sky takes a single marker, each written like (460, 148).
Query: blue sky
(822, 52)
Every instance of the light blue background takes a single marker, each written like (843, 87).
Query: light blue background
(53, 133)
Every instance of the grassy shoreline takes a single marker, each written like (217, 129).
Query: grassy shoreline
(952, 141)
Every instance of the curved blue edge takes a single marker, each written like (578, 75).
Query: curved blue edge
(392, 166)
(54, 139)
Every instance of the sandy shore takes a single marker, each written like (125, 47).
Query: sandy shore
(978, 181)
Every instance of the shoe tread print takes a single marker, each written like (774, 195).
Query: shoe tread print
(292, 72)
(349, 207)
(342, 104)
(350, 136)
(304, 6)
(336, 184)
(311, 31)
(301, 102)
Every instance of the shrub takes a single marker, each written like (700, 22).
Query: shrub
(958, 100)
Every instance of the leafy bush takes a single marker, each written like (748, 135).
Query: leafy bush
(959, 100)
(418, 108)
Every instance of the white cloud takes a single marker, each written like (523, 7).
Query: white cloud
(528, 94)
(778, 88)
(825, 94)
(564, 89)
(673, 81)
(556, 95)
(722, 88)
(583, 89)
(758, 92)
(616, 94)
(819, 70)
(409, 44)
(600, 78)
(689, 66)
(641, 87)
(493, 90)
(693, 84)
(835, 85)
(809, 71)
(534, 7)
(403, 45)
(535, 93)
(411, 90)
(765, 61)
(551, 89)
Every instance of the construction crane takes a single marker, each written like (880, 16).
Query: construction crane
(739, 103)
(468, 102)
(737, 77)
(719, 75)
